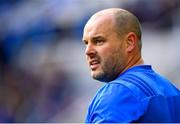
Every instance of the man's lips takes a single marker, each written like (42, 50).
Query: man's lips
(94, 64)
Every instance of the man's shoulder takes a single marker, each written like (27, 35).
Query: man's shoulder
(130, 85)
(115, 90)
(116, 99)
(130, 82)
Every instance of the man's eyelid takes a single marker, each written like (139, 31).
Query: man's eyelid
(100, 40)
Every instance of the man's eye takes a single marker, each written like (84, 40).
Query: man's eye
(99, 42)
(85, 42)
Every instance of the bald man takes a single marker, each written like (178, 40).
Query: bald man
(133, 92)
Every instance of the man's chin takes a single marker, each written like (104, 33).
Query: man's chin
(98, 76)
(95, 74)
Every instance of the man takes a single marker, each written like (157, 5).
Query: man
(133, 91)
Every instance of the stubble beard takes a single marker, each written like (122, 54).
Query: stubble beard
(109, 69)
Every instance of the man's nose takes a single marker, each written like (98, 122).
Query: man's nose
(90, 50)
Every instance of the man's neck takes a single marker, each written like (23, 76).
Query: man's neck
(133, 61)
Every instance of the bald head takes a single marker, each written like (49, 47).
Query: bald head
(124, 22)
(112, 39)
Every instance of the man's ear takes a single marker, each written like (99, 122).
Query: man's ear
(131, 41)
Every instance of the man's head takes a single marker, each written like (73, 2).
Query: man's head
(113, 43)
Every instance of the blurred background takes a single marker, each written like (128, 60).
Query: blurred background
(43, 72)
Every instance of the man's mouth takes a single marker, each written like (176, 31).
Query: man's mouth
(94, 64)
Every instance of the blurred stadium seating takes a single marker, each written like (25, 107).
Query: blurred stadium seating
(43, 72)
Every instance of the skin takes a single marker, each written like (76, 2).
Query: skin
(112, 38)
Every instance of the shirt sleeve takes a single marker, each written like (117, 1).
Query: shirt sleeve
(115, 103)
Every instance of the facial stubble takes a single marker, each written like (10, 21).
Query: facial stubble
(110, 66)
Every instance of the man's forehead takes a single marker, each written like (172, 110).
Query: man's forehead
(99, 27)
(99, 22)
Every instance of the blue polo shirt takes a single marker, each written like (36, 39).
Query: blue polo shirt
(137, 95)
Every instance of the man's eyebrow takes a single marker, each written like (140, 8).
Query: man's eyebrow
(94, 38)
(98, 38)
